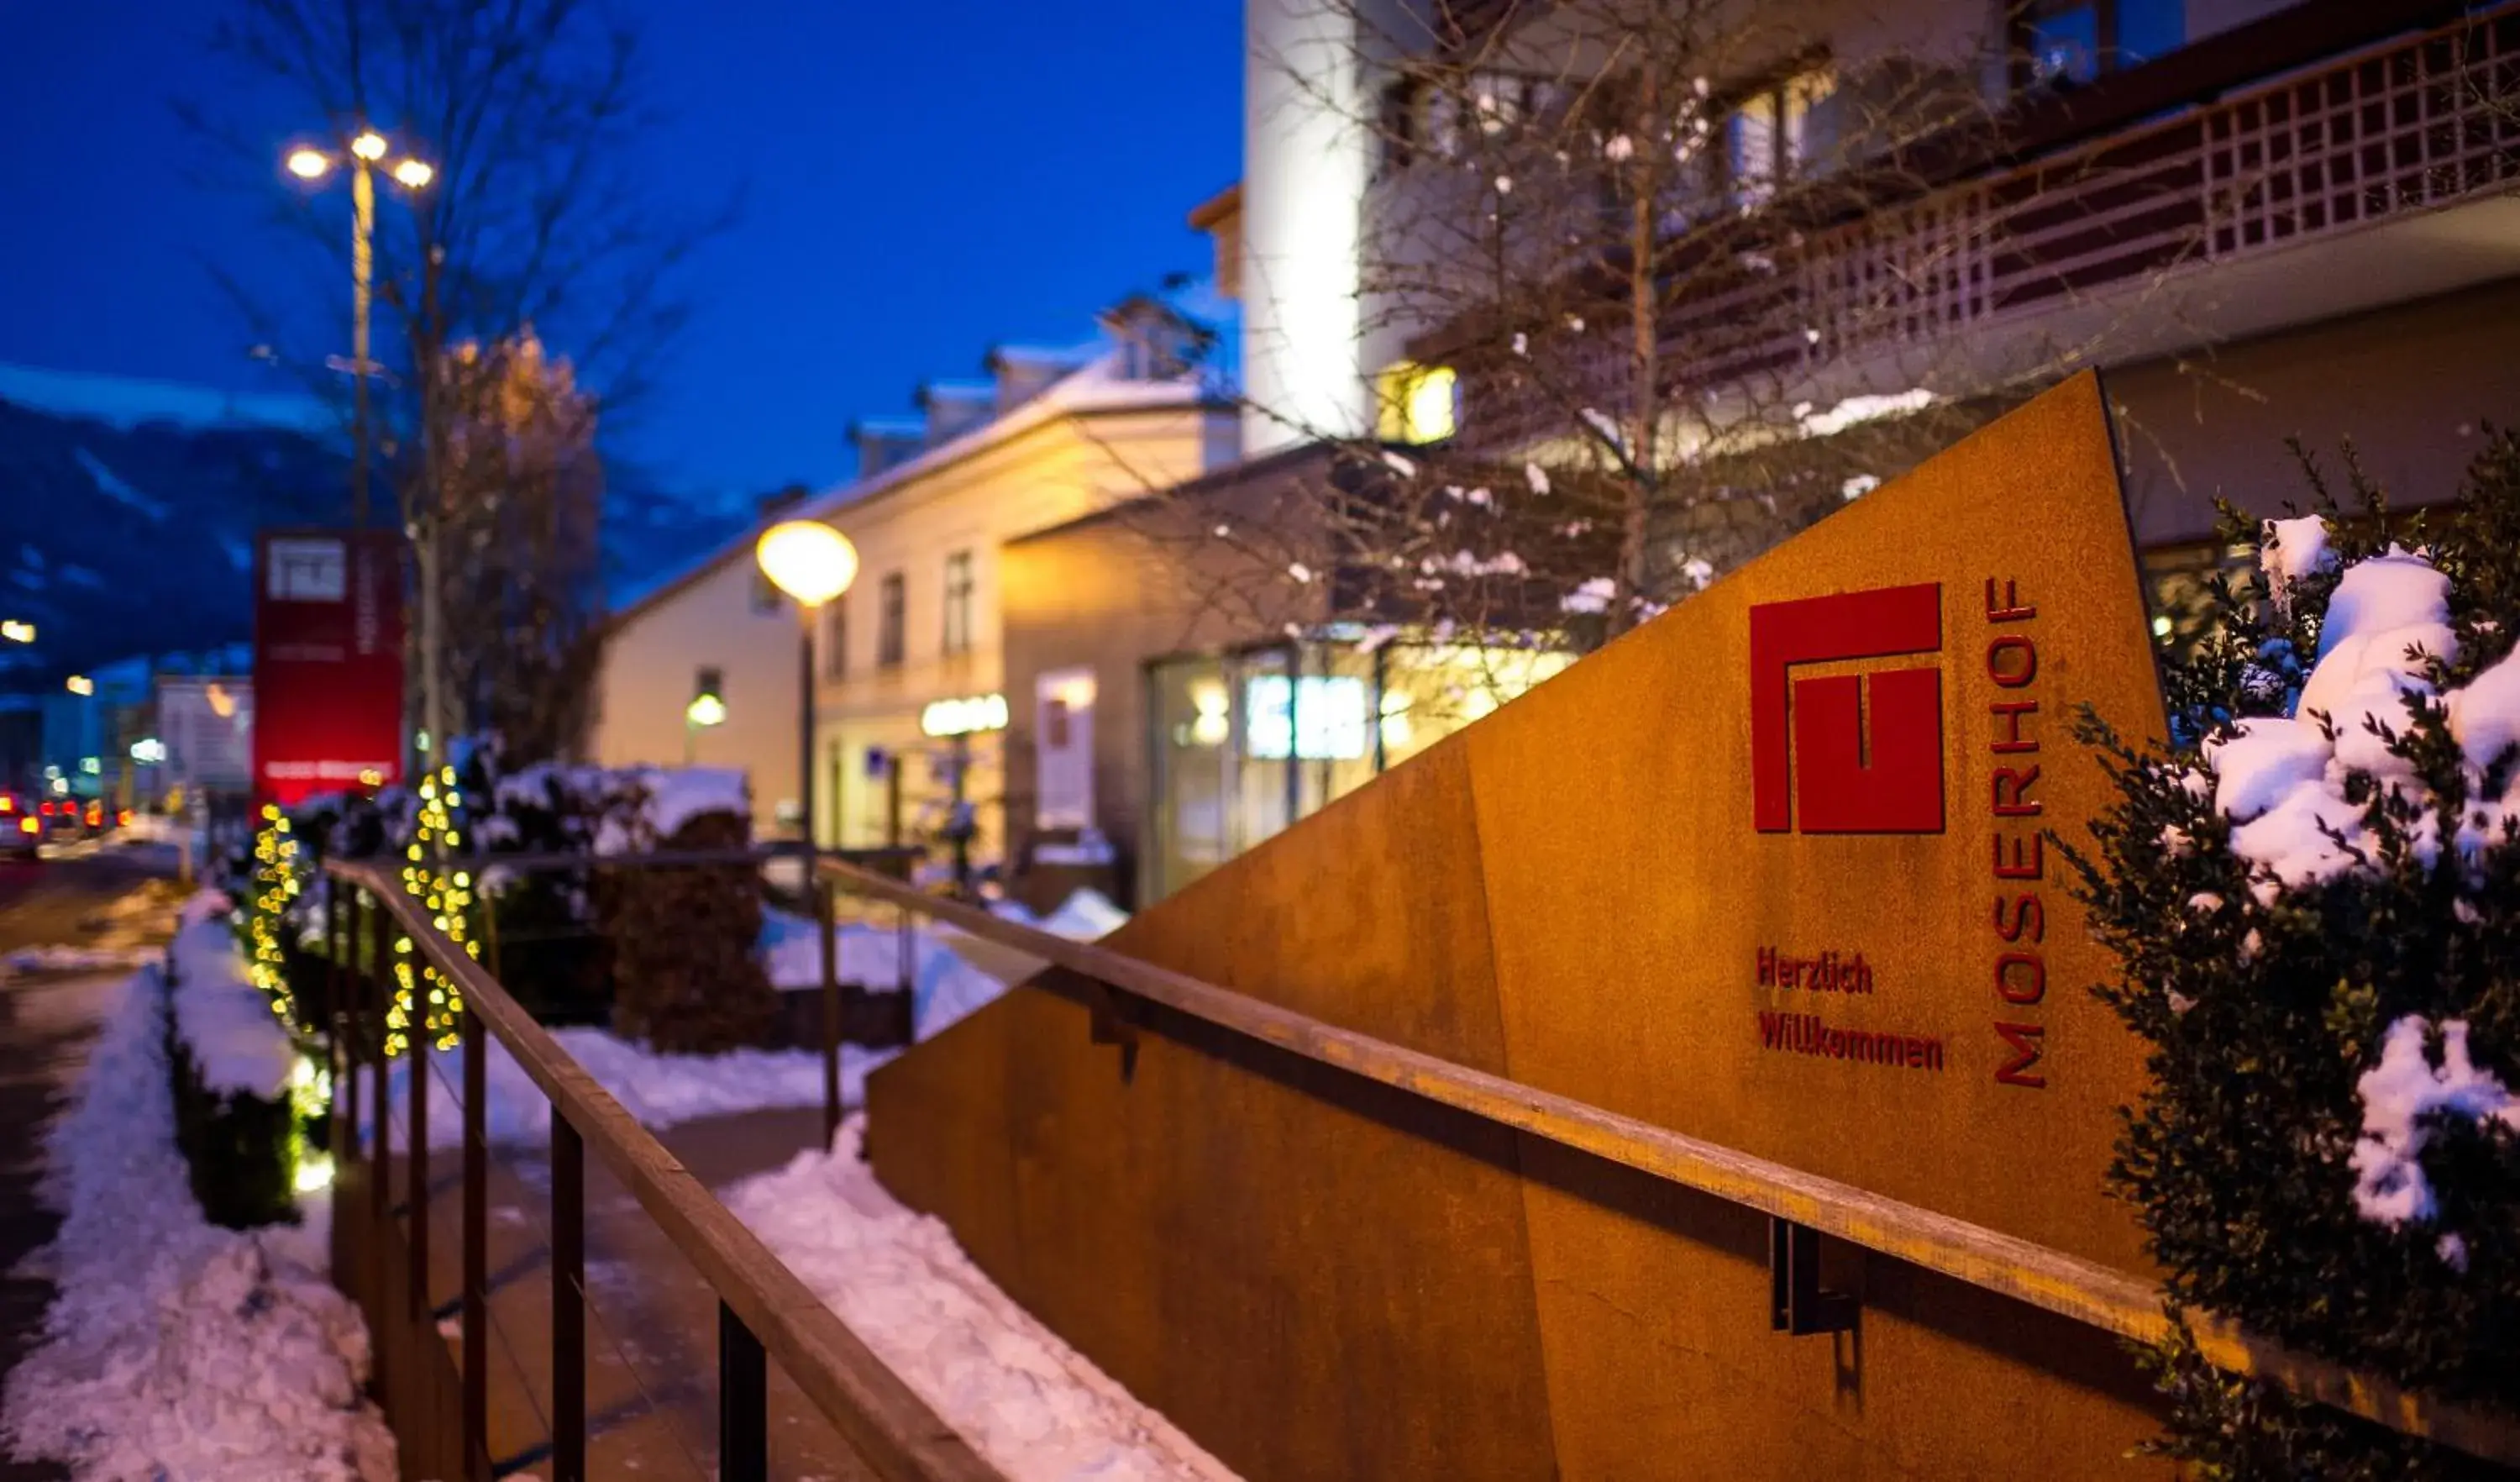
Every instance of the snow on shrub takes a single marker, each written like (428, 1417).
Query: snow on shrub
(2315, 890)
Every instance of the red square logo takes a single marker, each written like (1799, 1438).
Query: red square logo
(1847, 753)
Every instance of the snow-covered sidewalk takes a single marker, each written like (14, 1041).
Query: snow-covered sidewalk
(1034, 1407)
(177, 1349)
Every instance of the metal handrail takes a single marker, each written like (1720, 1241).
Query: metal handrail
(2040, 1276)
(764, 1305)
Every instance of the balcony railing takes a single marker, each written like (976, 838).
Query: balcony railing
(2393, 131)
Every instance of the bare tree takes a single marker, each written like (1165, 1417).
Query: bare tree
(521, 565)
(533, 227)
(1681, 262)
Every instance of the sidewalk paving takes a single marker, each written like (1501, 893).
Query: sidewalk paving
(652, 1320)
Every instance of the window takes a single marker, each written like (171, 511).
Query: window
(1769, 136)
(893, 602)
(2064, 42)
(766, 598)
(1416, 403)
(1433, 115)
(957, 603)
(836, 639)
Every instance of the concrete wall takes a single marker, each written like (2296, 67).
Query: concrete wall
(2410, 387)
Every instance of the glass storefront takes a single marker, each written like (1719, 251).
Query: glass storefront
(1245, 743)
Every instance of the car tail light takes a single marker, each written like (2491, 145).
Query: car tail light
(122, 818)
(8, 804)
(48, 810)
(27, 825)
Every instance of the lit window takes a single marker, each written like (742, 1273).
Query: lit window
(891, 615)
(1416, 403)
(1769, 136)
(957, 603)
(2073, 41)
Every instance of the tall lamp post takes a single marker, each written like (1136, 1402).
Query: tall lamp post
(813, 564)
(365, 151)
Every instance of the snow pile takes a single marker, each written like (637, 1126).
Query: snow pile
(658, 1090)
(665, 799)
(237, 1043)
(2397, 1096)
(945, 985)
(28, 961)
(1085, 915)
(2281, 779)
(1031, 1405)
(2294, 549)
(177, 1349)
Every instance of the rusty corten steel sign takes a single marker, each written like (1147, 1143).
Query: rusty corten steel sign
(1771, 871)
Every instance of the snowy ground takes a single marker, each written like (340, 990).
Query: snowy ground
(175, 1349)
(657, 1090)
(1032, 1406)
(944, 984)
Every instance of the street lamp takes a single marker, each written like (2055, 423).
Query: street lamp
(365, 151)
(707, 711)
(80, 684)
(813, 564)
(17, 632)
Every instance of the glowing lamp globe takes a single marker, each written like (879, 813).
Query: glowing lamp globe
(807, 559)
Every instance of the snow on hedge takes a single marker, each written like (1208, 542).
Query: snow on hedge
(238, 1044)
(1030, 1404)
(2282, 781)
(177, 1349)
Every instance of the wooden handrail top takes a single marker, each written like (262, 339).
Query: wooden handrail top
(2040, 1276)
(880, 1416)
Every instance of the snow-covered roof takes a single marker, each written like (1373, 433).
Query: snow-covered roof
(1096, 386)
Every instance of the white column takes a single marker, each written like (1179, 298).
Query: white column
(1306, 149)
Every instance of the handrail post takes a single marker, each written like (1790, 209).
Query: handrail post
(823, 915)
(568, 1300)
(371, 1001)
(415, 1049)
(742, 1402)
(476, 1254)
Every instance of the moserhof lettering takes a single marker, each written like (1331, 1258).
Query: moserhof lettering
(2020, 966)
(1847, 753)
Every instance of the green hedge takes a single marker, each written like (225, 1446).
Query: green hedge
(240, 1150)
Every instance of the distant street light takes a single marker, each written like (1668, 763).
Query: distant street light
(813, 564)
(80, 684)
(366, 149)
(17, 632)
(708, 709)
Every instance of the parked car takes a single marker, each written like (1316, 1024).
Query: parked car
(21, 828)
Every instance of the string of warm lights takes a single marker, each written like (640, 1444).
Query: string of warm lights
(277, 880)
(424, 998)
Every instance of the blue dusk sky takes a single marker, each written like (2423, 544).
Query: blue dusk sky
(918, 182)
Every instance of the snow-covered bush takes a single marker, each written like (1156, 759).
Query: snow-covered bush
(2315, 890)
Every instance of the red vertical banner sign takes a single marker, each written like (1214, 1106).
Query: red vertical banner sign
(327, 671)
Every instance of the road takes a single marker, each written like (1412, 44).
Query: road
(44, 1032)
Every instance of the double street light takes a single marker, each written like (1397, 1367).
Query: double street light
(365, 153)
(813, 564)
